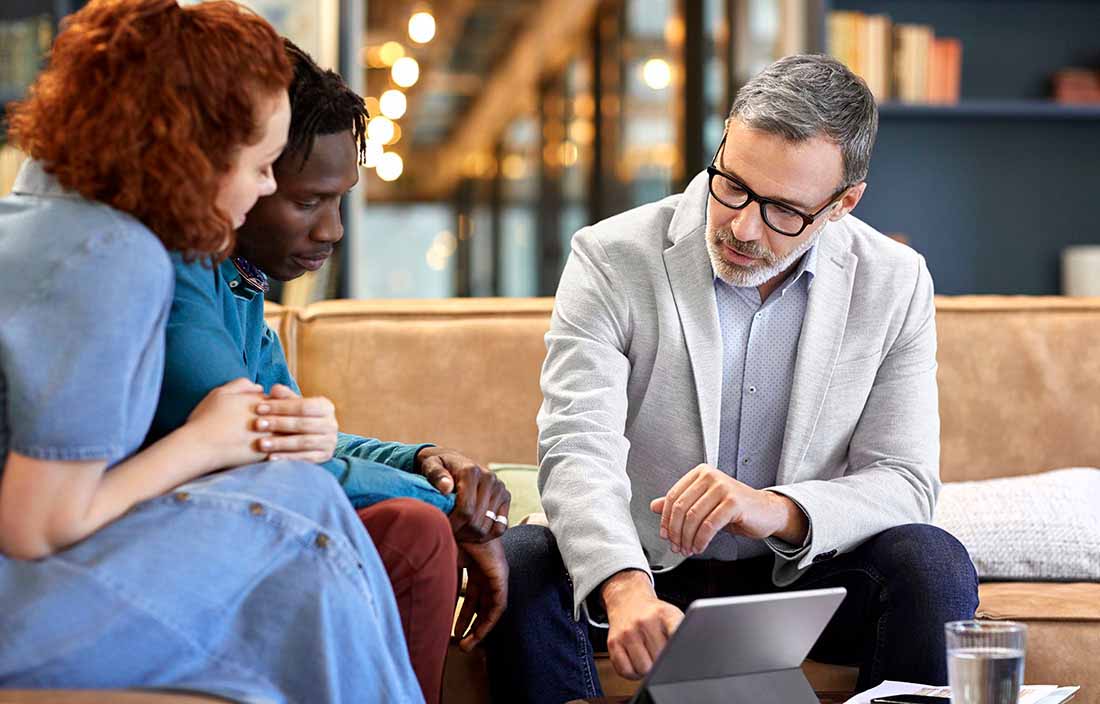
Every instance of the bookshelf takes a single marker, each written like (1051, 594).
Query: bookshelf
(993, 188)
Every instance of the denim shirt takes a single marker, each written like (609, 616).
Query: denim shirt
(75, 383)
(217, 333)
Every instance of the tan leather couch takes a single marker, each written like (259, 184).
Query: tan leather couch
(1019, 393)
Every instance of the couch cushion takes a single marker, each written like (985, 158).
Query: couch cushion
(1040, 601)
(1038, 527)
(462, 373)
(1019, 377)
(1063, 633)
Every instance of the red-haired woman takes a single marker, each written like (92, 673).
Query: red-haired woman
(154, 128)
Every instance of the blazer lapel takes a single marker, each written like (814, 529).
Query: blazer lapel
(692, 280)
(818, 348)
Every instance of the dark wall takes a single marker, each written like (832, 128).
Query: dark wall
(992, 190)
(991, 203)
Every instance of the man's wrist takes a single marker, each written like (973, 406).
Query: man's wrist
(793, 524)
(623, 586)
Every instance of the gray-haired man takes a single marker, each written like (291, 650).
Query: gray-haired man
(740, 397)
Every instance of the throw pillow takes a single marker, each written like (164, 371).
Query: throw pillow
(522, 481)
(1038, 527)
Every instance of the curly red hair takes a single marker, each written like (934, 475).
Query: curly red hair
(144, 105)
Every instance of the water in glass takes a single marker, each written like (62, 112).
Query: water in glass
(985, 675)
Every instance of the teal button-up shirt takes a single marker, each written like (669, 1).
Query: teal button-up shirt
(216, 333)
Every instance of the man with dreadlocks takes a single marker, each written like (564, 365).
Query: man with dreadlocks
(216, 332)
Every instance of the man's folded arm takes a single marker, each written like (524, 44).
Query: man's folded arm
(394, 454)
(366, 483)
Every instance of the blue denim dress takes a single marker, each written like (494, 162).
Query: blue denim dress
(256, 584)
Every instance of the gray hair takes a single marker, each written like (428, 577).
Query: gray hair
(809, 95)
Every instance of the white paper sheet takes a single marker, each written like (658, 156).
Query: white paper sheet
(1029, 694)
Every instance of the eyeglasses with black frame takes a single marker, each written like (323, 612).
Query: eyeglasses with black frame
(781, 217)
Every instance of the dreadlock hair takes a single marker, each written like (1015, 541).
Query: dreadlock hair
(321, 103)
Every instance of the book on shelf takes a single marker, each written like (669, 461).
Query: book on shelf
(1076, 86)
(944, 71)
(913, 44)
(903, 62)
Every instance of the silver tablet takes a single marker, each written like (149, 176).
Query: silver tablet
(747, 648)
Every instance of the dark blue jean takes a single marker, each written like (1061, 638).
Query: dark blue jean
(903, 585)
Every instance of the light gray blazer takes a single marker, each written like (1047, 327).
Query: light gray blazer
(633, 378)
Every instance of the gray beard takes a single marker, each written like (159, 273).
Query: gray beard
(768, 269)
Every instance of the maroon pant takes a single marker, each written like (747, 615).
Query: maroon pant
(418, 549)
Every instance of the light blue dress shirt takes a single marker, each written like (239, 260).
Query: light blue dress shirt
(760, 346)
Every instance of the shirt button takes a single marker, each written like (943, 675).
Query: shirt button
(745, 461)
(256, 509)
(321, 541)
(181, 496)
(233, 284)
(752, 389)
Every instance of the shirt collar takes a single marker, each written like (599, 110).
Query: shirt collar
(250, 274)
(807, 266)
(242, 287)
(33, 180)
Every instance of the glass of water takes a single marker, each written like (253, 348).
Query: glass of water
(985, 661)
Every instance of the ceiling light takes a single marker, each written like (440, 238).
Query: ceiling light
(373, 154)
(657, 74)
(390, 167)
(422, 27)
(380, 129)
(372, 105)
(393, 104)
(405, 71)
(390, 53)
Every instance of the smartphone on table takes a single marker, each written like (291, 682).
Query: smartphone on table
(910, 699)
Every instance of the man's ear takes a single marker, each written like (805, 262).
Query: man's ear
(848, 203)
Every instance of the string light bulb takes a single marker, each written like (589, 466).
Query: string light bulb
(390, 166)
(657, 74)
(405, 71)
(373, 153)
(422, 27)
(390, 53)
(393, 104)
(380, 129)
